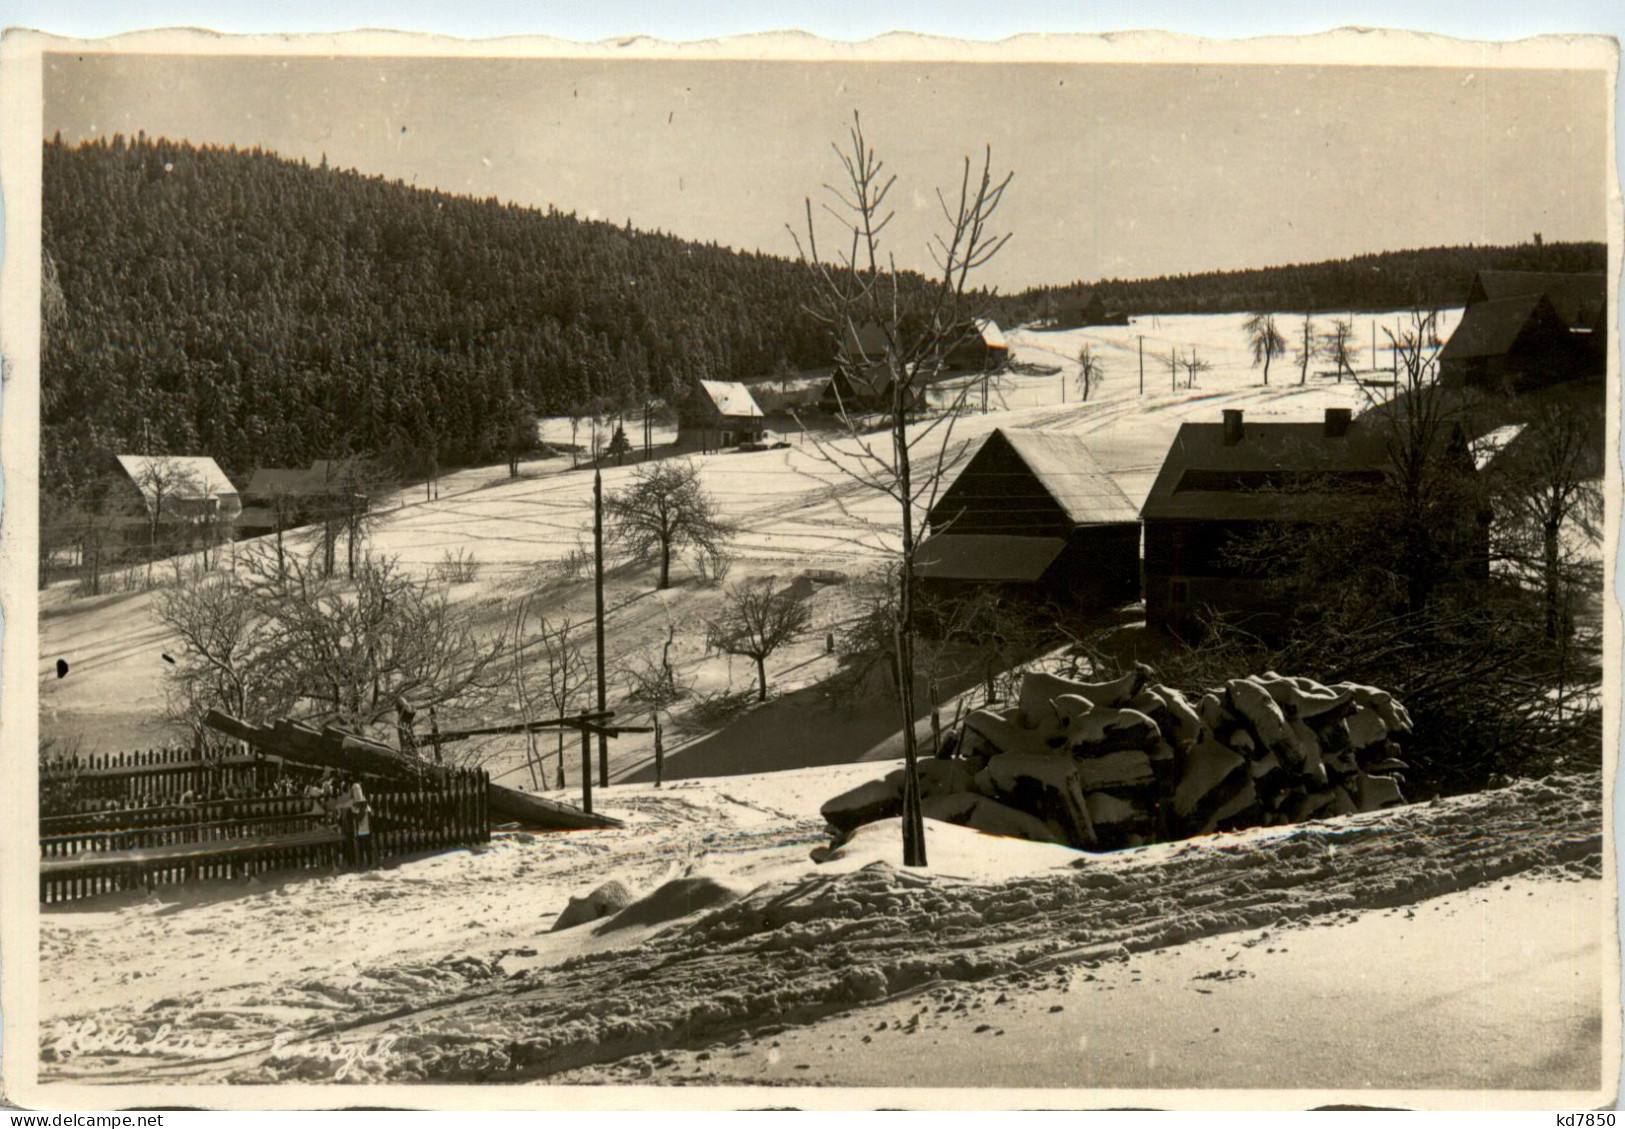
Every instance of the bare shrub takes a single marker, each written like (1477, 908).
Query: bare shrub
(460, 567)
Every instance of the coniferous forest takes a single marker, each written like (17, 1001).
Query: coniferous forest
(268, 312)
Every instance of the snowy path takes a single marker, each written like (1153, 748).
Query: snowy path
(810, 942)
(1493, 988)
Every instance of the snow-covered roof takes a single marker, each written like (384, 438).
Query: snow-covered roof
(1277, 470)
(1487, 446)
(731, 398)
(182, 480)
(1062, 462)
(992, 335)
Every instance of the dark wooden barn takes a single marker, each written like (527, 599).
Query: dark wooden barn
(1524, 330)
(1032, 512)
(286, 497)
(1224, 485)
(979, 347)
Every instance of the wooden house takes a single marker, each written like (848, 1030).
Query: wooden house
(173, 503)
(190, 489)
(285, 497)
(1033, 513)
(979, 347)
(1087, 307)
(719, 415)
(1523, 330)
(1224, 485)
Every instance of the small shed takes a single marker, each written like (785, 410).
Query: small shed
(722, 414)
(1032, 511)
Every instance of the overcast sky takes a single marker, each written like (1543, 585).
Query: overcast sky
(1120, 170)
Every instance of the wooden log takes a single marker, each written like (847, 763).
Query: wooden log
(333, 748)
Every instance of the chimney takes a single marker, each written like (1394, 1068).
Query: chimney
(1232, 426)
(1337, 422)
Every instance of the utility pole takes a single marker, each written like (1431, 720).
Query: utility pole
(598, 616)
(1142, 364)
(586, 770)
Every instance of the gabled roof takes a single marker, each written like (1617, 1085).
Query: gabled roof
(1489, 329)
(1577, 298)
(1278, 471)
(983, 556)
(864, 342)
(183, 477)
(322, 476)
(992, 335)
(1060, 461)
(731, 398)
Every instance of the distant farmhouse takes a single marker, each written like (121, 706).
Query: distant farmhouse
(1033, 513)
(1524, 330)
(1223, 485)
(1082, 309)
(187, 497)
(285, 497)
(980, 347)
(721, 414)
(862, 380)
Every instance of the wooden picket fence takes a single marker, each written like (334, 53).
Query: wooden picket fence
(232, 839)
(159, 777)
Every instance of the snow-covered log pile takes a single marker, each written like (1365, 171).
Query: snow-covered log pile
(1114, 764)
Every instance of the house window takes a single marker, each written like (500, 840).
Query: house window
(1179, 591)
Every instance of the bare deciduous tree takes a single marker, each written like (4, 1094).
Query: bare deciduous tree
(1194, 366)
(665, 509)
(223, 660)
(1264, 339)
(568, 677)
(654, 685)
(1338, 346)
(1091, 371)
(760, 618)
(349, 650)
(858, 287)
(1549, 484)
(1308, 347)
(162, 480)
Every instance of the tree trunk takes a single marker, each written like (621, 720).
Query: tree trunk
(665, 566)
(1553, 580)
(913, 821)
(1266, 368)
(660, 754)
(761, 679)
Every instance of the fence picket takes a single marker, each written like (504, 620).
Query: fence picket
(232, 837)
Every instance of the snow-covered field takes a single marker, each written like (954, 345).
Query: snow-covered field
(1442, 947)
(795, 508)
(1446, 947)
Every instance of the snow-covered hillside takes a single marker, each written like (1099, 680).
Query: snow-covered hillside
(796, 509)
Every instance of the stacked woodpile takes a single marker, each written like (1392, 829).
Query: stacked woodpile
(1122, 763)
